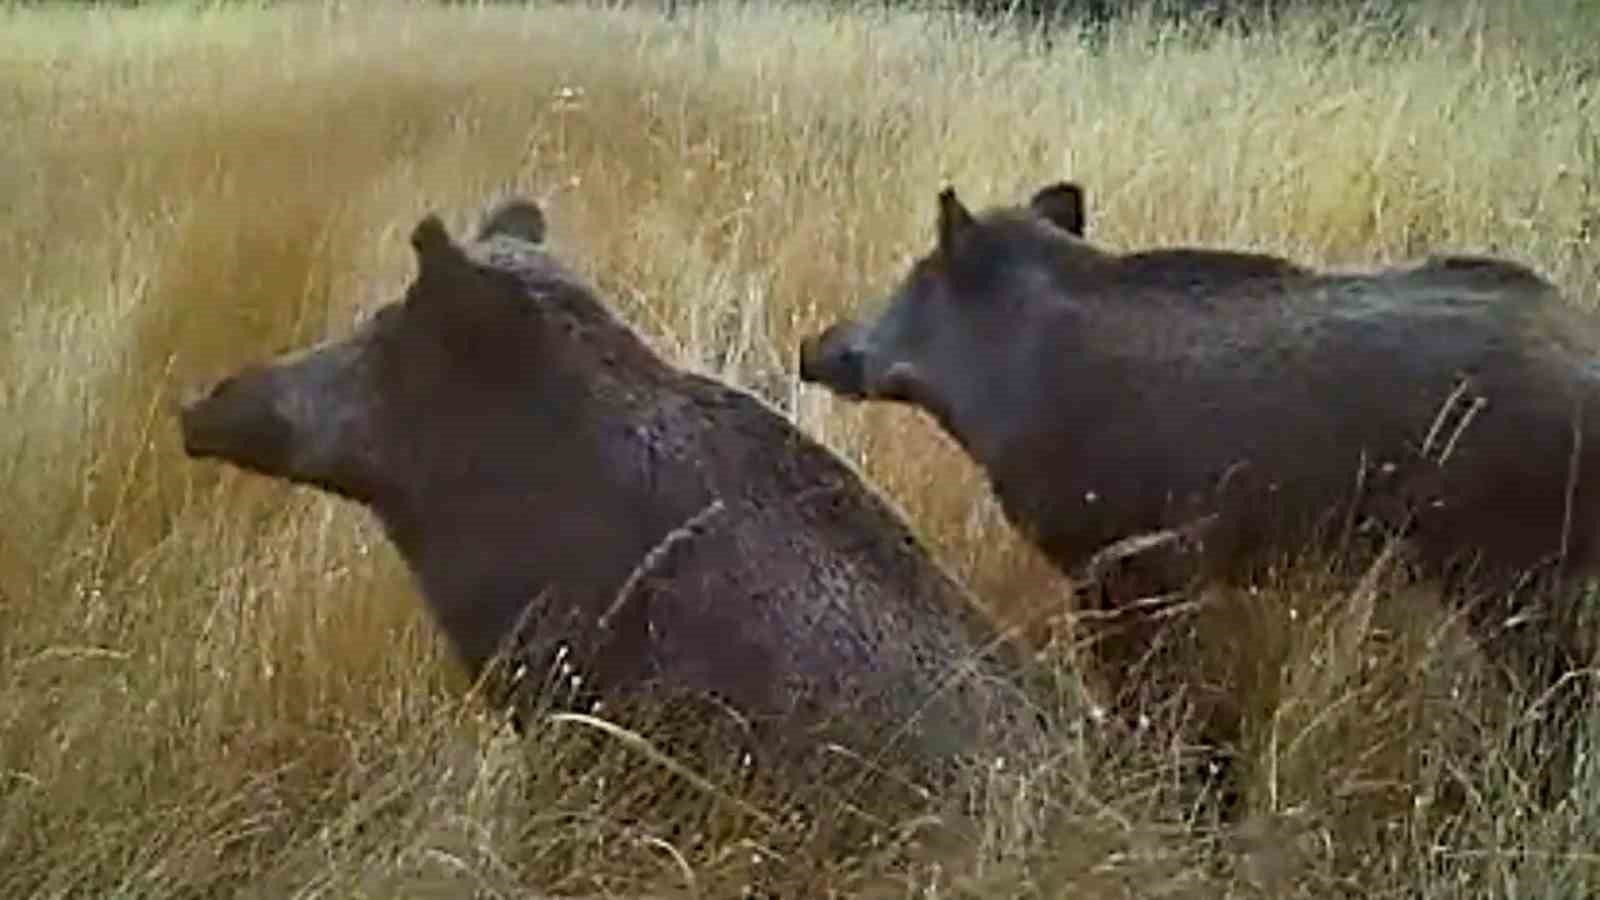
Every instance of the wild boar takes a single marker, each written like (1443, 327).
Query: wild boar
(1241, 406)
(564, 494)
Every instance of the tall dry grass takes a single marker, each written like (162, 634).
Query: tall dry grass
(211, 684)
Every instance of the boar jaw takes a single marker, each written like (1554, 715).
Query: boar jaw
(237, 421)
(299, 419)
(831, 360)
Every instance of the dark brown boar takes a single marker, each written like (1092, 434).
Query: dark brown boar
(563, 494)
(1245, 405)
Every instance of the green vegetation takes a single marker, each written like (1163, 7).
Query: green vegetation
(215, 685)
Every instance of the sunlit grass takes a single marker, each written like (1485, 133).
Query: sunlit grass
(210, 683)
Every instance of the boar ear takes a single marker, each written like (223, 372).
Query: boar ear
(432, 243)
(446, 279)
(519, 218)
(1061, 204)
(953, 218)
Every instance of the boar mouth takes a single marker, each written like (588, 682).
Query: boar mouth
(826, 360)
(234, 424)
(829, 361)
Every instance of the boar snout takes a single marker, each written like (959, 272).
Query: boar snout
(832, 360)
(238, 421)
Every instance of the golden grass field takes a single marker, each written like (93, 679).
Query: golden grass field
(216, 685)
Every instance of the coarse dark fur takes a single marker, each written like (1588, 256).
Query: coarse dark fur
(560, 490)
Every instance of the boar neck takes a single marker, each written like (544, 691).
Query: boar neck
(563, 518)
